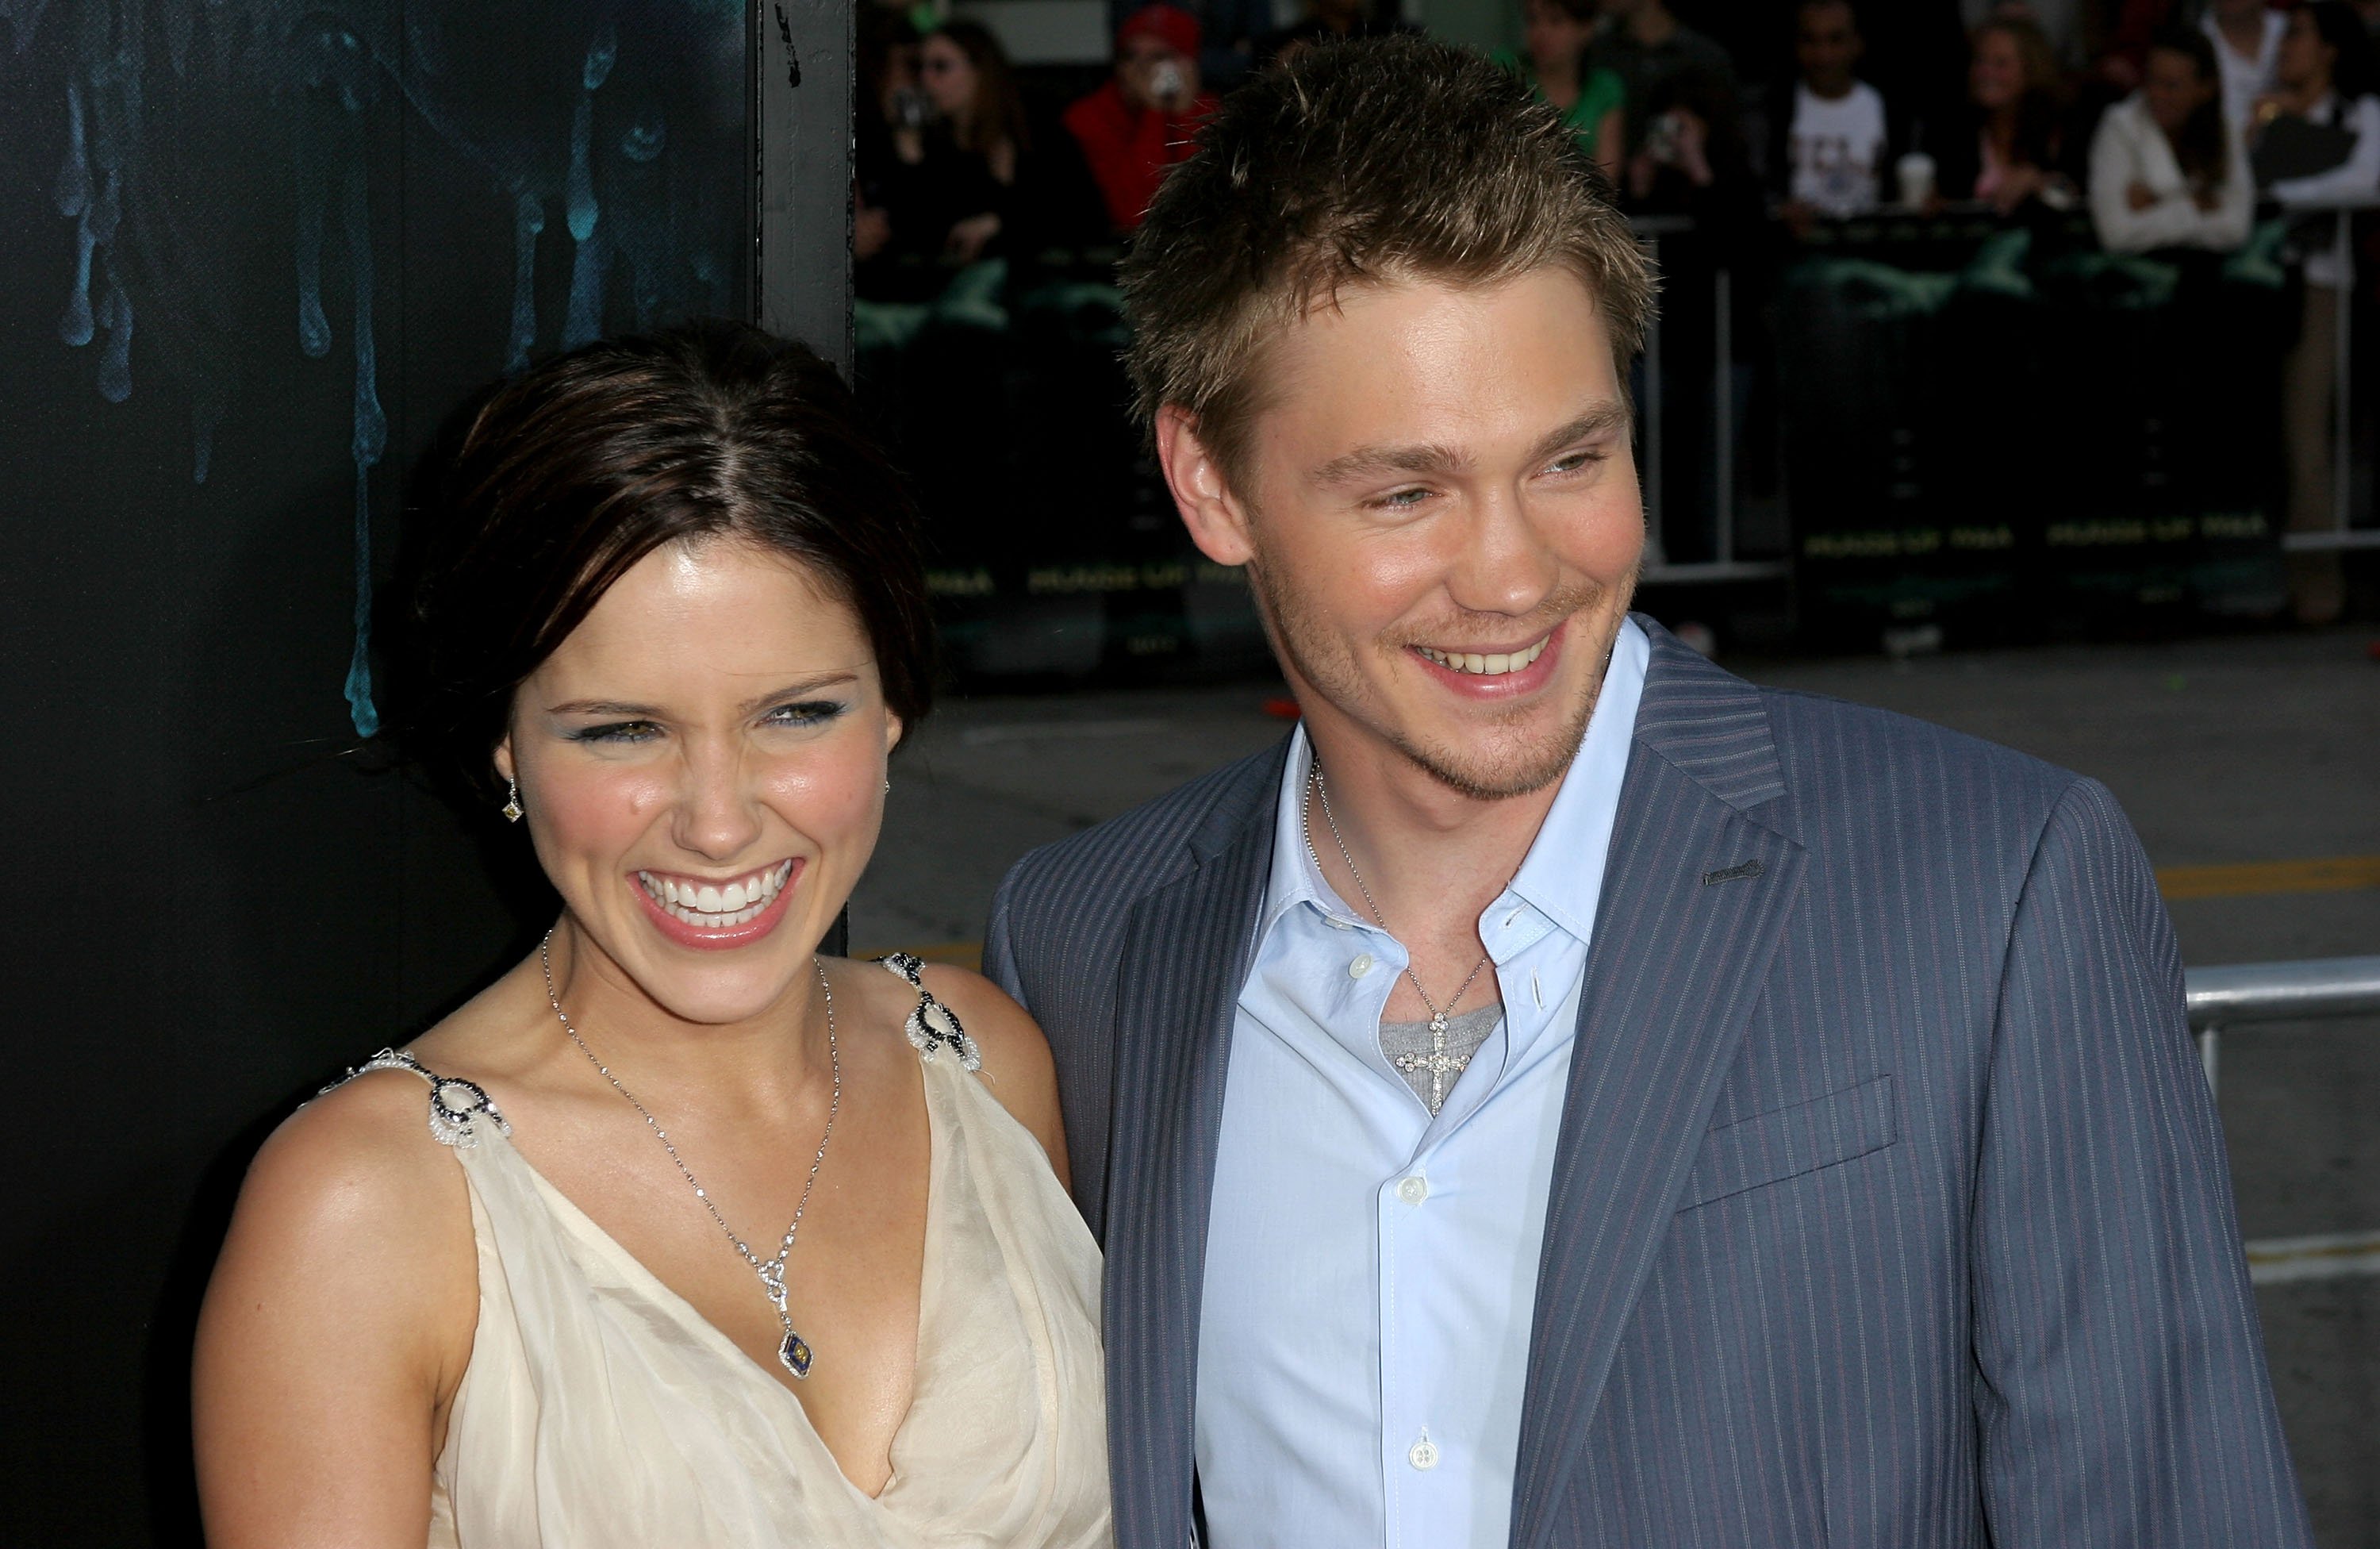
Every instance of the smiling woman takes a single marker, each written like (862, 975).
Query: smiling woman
(693, 1248)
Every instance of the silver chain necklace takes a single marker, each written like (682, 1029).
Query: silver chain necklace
(1438, 1062)
(794, 1353)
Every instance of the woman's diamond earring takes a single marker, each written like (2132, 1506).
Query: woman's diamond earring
(511, 802)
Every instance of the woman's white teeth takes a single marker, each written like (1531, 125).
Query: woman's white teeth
(708, 906)
(1490, 664)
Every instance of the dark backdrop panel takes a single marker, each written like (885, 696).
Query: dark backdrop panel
(252, 254)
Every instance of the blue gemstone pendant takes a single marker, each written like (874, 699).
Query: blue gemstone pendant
(794, 1353)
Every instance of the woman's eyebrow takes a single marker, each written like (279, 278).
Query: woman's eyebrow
(625, 707)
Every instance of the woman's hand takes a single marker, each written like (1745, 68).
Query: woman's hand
(1694, 148)
(871, 229)
(2017, 184)
(2140, 197)
(970, 237)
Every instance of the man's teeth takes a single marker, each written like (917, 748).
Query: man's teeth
(1488, 666)
(708, 907)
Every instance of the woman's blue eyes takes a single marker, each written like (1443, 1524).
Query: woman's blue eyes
(807, 713)
(620, 731)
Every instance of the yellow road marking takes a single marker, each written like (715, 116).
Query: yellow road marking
(2335, 873)
(2280, 1259)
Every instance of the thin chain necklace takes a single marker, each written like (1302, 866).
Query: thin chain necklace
(1438, 1062)
(794, 1353)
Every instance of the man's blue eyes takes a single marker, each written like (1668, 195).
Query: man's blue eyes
(1406, 499)
(808, 713)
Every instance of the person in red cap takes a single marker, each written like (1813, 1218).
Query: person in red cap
(1142, 121)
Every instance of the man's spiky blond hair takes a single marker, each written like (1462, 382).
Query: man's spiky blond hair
(1351, 163)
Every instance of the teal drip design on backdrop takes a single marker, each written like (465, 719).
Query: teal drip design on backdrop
(587, 133)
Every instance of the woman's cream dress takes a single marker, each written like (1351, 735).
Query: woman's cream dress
(599, 1410)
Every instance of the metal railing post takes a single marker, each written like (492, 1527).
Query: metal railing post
(1723, 416)
(1651, 473)
(2222, 997)
(2343, 450)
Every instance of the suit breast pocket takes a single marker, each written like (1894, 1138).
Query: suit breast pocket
(1788, 1143)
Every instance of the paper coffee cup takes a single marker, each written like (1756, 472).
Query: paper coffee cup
(1914, 174)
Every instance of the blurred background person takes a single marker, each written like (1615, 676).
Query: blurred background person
(1557, 61)
(2166, 170)
(1693, 159)
(2318, 142)
(890, 100)
(2004, 153)
(1146, 117)
(972, 159)
(1648, 48)
(1835, 144)
(2247, 39)
(974, 180)
(1330, 21)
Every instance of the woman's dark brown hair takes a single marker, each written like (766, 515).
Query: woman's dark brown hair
(2202, 148)
(2036, 130)
(997, 113)
(582, 466)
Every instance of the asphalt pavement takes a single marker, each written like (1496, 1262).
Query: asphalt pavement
(2249, 765)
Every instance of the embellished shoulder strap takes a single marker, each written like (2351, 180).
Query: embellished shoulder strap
(455, 1104)
(932, 1027)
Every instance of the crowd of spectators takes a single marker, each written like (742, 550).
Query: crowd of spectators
(2163, 118)
(2169, 125)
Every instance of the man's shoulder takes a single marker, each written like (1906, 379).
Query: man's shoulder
(1836, 751)
(1114, 862)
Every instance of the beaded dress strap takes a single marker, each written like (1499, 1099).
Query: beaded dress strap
(455, 1104)
(932, 1027)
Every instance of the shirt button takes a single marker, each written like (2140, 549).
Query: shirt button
(1423, 1455)
(1360, 965)
(1412, 1192)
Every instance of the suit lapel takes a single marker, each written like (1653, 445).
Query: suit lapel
(1696, 894)
(1185, 956)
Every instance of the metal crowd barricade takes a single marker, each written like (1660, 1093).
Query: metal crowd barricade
(2342, 534)
(1723, 564)
(2243, 993)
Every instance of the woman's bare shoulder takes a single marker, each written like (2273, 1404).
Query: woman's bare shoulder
(365, 1175)
(360, 1165)
(1016, 1063)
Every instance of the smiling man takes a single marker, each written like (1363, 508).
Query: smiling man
(1566, 1095)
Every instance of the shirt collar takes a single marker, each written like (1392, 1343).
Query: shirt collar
(1551, 879)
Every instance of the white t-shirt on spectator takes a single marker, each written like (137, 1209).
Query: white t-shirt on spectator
(2246, 79)
(1837, 145)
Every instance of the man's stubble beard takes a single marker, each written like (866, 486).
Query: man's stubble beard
(1322, 660)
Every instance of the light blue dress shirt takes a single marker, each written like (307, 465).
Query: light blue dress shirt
(1371, 1271)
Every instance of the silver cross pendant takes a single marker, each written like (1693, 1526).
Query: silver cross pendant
(1438, 1062)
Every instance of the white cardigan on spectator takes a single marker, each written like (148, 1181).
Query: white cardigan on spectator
(2131, 149)
(2356, 177)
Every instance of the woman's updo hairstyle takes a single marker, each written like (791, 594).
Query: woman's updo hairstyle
(580, 467)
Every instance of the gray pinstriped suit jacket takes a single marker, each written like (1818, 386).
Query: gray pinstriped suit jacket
(1890, 1207)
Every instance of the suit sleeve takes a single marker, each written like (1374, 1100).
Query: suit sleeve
(999, 950)
(2120, 1387)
